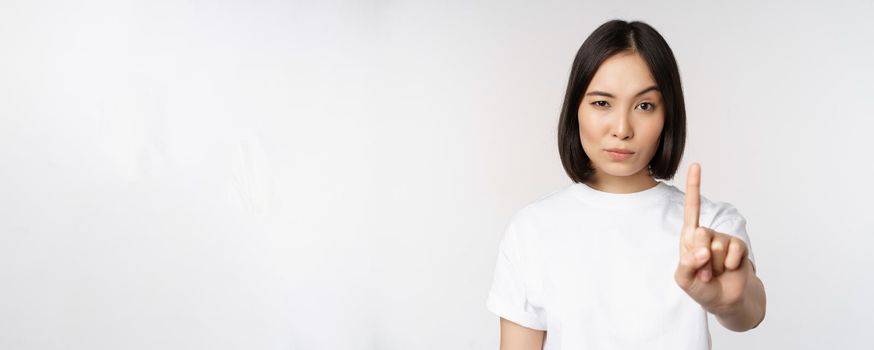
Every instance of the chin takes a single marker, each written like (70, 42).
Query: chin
(618, 170)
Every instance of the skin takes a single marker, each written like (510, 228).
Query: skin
(713, 268)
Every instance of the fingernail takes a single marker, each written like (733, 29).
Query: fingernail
(701, 254)
(705, 275)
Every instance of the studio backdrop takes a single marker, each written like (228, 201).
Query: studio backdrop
(338, 174)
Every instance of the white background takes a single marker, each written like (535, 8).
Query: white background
(337, 175)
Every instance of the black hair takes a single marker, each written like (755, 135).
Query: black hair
(610, 38)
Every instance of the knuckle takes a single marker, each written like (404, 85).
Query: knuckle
(740, 243)
(739, 249)
(717, 245)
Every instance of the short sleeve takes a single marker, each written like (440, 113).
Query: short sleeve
(508, 297)
(729, 221)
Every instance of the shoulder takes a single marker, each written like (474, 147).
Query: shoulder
(546, 208)
(716, 213)
(537, 217)
(712, 212)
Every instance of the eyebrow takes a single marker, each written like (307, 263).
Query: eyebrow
(607, 94)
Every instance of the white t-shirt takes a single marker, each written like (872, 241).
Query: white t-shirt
(596, 269)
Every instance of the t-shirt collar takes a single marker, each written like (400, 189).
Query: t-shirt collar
(620, 200)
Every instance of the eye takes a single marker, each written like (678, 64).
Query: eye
(650, 106)
(600, 103)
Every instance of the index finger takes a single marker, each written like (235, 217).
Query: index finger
(693, 200)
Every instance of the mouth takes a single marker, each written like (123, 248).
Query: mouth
(619, 154)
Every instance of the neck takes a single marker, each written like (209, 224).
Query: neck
(621, 184)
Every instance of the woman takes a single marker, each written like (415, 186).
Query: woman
(595, 265)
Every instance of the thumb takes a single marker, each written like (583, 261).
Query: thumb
(690, 262)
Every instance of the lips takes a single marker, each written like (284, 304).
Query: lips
(619, 154)
(619, 150)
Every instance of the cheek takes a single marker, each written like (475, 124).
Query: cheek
(656, 128)
(588, 128)
(654, 132)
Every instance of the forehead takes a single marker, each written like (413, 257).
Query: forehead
(623, 74)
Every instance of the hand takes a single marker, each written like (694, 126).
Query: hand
(713, 269)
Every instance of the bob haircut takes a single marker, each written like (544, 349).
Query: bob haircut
(611, 38)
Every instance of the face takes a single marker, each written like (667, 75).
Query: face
(621, 109)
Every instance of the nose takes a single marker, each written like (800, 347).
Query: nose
(622, 127)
